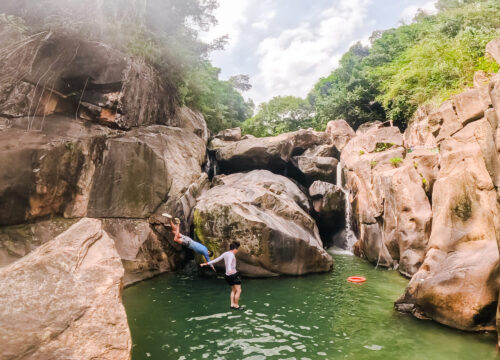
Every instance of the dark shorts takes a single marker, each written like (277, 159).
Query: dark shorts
(233, 279)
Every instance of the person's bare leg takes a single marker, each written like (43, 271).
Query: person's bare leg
(237, 294)
(233, 292)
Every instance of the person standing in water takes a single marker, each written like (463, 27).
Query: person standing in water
(232, 276)
(186, 240)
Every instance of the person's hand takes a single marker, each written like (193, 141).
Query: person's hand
(204, 264)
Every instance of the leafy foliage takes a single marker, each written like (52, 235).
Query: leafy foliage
(395, 161)
(424, 62)
(279, 115)
(219, 101)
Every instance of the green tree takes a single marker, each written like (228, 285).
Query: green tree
(279, 115)
(220, 101)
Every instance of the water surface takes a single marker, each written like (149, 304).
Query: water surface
(187, 316)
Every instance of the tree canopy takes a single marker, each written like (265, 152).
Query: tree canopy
(279, 115)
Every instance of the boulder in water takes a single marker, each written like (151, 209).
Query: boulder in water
(268, 214)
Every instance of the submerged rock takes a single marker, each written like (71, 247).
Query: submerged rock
(63, 300)
(268, 214)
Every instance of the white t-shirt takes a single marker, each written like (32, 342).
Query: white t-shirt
(229, 261)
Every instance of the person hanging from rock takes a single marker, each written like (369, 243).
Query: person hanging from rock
(232, 275)
(186, 240)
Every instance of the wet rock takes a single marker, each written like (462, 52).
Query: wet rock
(63, 300)
(268, 214)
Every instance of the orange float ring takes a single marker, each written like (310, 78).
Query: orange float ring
(356, 279)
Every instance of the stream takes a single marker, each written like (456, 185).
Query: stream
(186, 316)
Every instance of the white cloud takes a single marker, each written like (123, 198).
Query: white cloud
(409, 13)
(264, 21)
(292, 62)
(231, 19)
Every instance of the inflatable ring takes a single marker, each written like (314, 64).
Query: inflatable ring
(356, 279)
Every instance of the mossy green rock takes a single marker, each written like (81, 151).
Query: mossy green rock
(268, 215)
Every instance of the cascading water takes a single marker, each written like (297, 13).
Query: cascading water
(211, 166)
(349, 233)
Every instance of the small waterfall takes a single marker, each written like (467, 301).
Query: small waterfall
(211, 167)
(349, 233)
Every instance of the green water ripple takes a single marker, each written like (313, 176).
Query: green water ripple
(178, 316)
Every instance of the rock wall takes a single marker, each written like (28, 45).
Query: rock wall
(391, 208)
(457, 284)
(91, 132)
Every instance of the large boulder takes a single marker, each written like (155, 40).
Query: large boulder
(48, 172)
(229, 134)
(17, 241)
(328, 209)
(270, 153)
(457, 284)
(145, 249)
(144, 169)
(268, 214)
(308, 169)
(73, 169)
(63, 300)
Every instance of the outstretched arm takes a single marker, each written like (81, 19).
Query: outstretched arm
(208, 260)
(213, 261)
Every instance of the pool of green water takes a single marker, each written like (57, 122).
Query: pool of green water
(187, 316)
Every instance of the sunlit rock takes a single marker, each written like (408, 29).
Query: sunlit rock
(63, 300)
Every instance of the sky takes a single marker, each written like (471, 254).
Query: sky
(286, 46)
